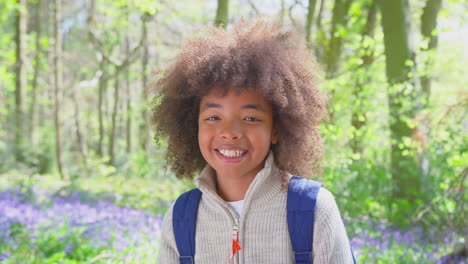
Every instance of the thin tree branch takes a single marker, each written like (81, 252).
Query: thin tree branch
(99, 45)
(293, 21)
(119, 65)
(254, 7)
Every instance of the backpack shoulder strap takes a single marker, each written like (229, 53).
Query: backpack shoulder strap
(302, 197)
(184, 216)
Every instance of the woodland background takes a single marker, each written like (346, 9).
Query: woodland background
(82, 180)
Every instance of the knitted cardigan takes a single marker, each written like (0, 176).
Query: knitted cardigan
(263, 228)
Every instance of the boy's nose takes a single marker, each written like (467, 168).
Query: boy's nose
(231, 130)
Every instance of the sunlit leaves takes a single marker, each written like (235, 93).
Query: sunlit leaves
(148, 6)
(6, 7)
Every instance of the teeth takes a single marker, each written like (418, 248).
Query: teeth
(231, 153)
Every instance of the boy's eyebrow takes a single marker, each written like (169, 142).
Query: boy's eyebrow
(254, 106)
(247, 106)
(210, 105)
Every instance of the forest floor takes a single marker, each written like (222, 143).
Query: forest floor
(117, 220)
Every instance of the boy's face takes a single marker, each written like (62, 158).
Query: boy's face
(235, 132)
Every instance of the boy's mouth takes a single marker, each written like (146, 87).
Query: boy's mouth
(231, 153)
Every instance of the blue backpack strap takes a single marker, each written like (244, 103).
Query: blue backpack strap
(184, 216)
(302, 197)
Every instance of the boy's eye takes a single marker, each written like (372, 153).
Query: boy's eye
(212, 118)
(252, 119)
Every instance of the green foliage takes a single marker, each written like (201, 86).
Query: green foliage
(8, 160)
(148, 6)
(362, 181)
(5, 8)
(98, 166)
(49, 246)
(7, 54)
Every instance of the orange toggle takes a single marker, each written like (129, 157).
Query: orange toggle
(235, 247)
(235, 244)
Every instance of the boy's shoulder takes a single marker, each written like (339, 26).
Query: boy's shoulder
(326, 207)
(325, 198)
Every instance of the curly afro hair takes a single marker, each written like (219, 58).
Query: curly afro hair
(261, 56)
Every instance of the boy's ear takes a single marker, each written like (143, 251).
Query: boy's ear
(274, 135)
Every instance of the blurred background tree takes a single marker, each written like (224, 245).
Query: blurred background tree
(75, 77)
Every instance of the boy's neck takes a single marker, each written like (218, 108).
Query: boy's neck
(232, 189)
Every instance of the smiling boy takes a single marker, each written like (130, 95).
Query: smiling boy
(241, 109)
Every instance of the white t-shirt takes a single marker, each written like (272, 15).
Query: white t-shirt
(237, 206)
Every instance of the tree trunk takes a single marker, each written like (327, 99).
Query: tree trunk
(428, 25)
(282, 11)
(396, 25)
(20, 40)
(429, 21)
(222, 13)
(128, 103)
(405, 170)
(310, 19)
(57, 84)
(48, 57)
(335, 46)
(114, 121)
(319, 49)
(37, 67)
(358, 120)
(76, 117)
(102, 81)
(102, 84)
(128, 114)
(320, 13)
(144, 133)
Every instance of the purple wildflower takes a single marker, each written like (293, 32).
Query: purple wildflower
(4, 256)
(102, 222)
